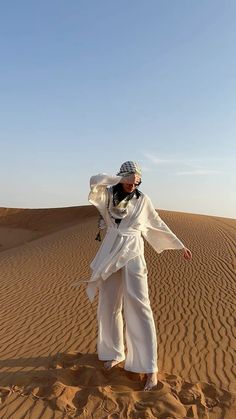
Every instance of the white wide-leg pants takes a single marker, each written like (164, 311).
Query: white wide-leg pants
(127, 287)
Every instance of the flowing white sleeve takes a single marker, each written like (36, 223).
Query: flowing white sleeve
(156, 232)
(98, 188)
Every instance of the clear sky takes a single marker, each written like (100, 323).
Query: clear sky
(86, 85)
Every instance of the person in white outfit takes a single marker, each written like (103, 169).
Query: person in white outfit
(119, 270)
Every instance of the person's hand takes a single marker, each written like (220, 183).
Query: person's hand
(131, 179)
(187, 254)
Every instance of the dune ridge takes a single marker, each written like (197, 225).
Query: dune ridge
(48, 329)
(21, 225)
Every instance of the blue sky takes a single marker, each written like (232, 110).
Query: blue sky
(86, 85)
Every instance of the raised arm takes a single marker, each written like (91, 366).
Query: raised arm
(98, 189)
(103, 180)
(100, 182)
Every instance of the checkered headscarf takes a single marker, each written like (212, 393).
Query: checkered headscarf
(128, 168)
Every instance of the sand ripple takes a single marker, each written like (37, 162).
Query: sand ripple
(74, 385)
(48, 363)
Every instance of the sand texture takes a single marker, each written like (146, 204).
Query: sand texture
(48, 362)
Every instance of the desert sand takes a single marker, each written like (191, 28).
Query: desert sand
(48, 361)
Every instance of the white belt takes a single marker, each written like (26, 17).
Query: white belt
(124, 233)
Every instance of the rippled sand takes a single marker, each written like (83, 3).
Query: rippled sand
(48, 363)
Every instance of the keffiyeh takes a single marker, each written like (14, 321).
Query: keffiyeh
(119, 200)
(128, 168)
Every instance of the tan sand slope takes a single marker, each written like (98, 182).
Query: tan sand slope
(48, 360)
(19, 225)
(76, 385)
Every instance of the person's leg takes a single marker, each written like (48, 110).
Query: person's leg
(110, 344)
(140, 326)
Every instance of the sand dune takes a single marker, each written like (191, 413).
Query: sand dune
(19, 225)
(48, 363)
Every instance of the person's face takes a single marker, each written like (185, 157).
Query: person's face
(130, 187)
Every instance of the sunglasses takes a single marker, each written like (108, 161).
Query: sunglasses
(135, 184)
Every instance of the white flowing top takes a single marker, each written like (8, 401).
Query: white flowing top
(125, 241)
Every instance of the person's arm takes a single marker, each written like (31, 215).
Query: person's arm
(98, 188)
(103, 180)
(99, 183)
(156, 232)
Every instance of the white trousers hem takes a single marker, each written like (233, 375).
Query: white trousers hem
(111, 359)
(148, 371)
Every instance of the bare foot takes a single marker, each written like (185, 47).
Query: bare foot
(151, 381)
(110, 364)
